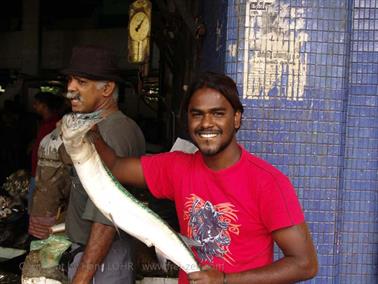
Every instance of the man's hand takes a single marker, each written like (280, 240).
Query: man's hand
(206, 275)
(40, 227)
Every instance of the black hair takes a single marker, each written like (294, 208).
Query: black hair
(219, 82)
(53, 102)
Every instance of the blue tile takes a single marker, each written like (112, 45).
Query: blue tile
(328, 142)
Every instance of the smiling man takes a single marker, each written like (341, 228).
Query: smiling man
(231, 202)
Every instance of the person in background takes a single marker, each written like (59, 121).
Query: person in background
(234, 204)
(49, 108)
(52, 187)
(99, 255)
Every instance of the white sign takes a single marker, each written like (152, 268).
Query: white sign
(273, 62)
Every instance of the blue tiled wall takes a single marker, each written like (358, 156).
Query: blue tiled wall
(358, 221)
(326, 140)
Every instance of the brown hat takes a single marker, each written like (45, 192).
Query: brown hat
(93, 62)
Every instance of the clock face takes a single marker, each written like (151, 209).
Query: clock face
(139, 26)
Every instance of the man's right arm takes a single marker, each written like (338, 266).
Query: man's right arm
(126, 170)
(299, 262)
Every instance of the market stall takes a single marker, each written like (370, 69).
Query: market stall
(14, 239)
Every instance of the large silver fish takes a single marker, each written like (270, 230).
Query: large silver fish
(114, 201)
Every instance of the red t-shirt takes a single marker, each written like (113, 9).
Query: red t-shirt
(46, 127)
(232, 212)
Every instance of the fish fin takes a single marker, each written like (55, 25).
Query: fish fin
(115, 226)
(162, 259)
(190, 242)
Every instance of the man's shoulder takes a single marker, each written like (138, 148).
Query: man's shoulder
(261, 166)
(122, 134)
(176, 157)
(116, 121)
(117, 116)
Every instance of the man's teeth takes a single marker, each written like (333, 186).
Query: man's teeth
(208, 135)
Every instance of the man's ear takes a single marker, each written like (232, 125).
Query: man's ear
(237, 120)
(108, 88)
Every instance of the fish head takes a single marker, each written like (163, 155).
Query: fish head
(75, 125)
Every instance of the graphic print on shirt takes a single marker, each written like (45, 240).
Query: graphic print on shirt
(211, 226)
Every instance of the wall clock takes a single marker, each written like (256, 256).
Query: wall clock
(139, 30)
(139, 26)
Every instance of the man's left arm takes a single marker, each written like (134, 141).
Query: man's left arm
(299, 262)
(99, 243)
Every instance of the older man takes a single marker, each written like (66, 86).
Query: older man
(93, 79)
